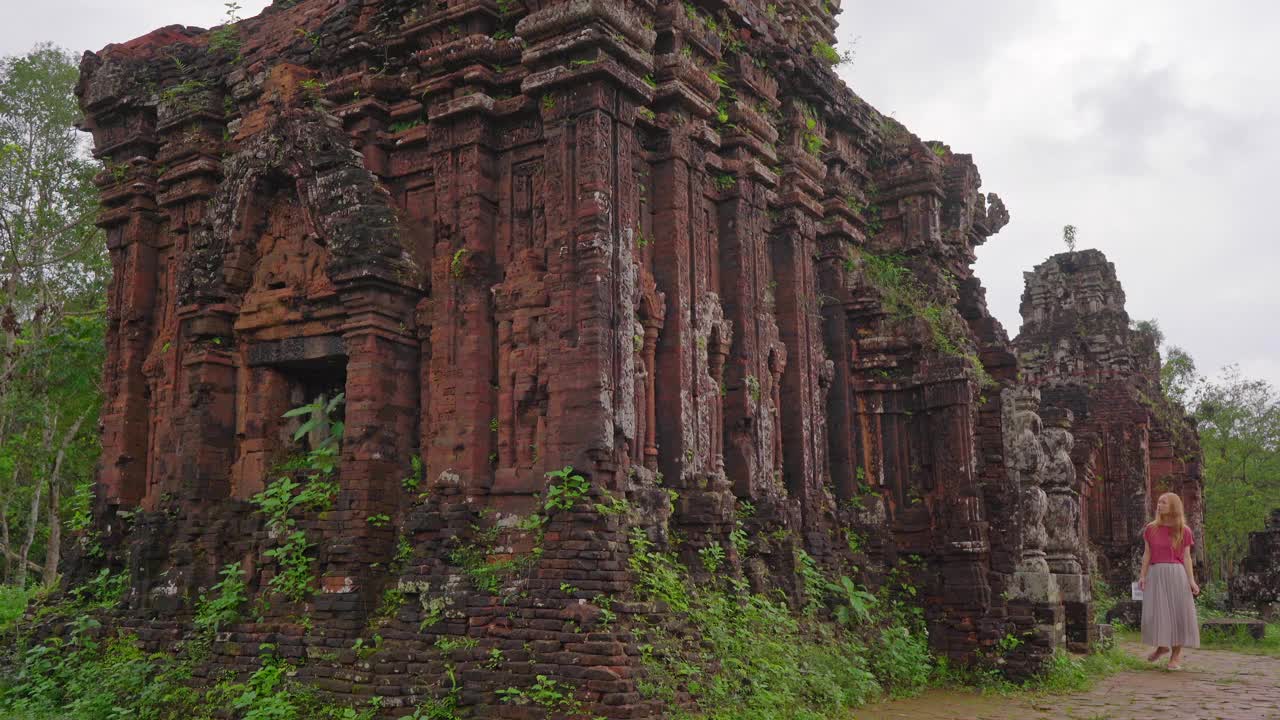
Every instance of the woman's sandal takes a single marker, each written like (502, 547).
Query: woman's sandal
(1174, 667)
(1155, 654)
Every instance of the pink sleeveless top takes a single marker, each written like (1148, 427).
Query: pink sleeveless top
(1160, 539)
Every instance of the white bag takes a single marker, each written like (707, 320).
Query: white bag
(1135, 592)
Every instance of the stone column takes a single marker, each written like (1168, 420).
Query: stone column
(378, 439)
(1063, 548)
(206, 426)
(650, 408)
(1033, 586)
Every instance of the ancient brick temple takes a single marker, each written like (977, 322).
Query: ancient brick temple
(1257, 585)
(1078, 345)
(658, 242)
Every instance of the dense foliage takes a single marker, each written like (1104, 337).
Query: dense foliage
(1239, 423)
(53, 274)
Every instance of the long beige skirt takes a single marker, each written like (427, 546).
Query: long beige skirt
(1168, 610)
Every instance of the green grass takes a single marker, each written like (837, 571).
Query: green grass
(1239, 642)
(13, 602)
(1066, 673)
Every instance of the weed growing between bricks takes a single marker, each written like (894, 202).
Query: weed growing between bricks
(751, 656)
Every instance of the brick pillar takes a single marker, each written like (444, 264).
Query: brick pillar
(206, 388)
(674, 373)
(463, 359)
(126, 136)
(803, 431)
(125, 415)
(380, 433)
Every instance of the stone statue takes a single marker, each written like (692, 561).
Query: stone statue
(1025, 460)
(1062, 545)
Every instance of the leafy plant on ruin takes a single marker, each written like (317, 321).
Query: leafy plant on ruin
(413, 480)
(393, 599)
(458, 263)
(751, 656)
(83, 675)
(905, 297)
(613, 507)
(565, 489)
(100, 592)
(444, 707)
(546, 693)
(810, 139)
(403, 125)
(506, 20)
(294, 579)
(855, 603)
(826, 53)
(309, 35)
(223, 606)
(270, 693)
(184, 89)
(226, 37)
(1069, 237)
(281, 500)
(475, 559)
(313, 90)
(812, 581)
(712, 557)
(722, 114)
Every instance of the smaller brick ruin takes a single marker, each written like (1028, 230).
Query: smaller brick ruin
(1080, 348)
(1257, 584)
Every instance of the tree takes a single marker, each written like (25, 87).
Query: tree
(53, 273)
(1178, 375)
(1069, 237)
(1239, 423)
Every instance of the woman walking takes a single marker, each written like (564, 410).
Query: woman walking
(1168, 583)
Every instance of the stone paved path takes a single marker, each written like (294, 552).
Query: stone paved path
(1214, 685)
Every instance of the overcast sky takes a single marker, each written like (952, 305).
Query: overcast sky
(1151, 125)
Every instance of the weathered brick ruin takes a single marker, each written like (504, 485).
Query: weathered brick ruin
(1078, 346)
(661, 243)
(1257, 585)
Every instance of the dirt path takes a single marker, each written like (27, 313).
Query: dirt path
(1214, 685)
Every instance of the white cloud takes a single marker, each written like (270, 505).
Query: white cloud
(80, 25)
(1152, 126)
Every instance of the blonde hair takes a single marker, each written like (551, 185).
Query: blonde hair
(1178, 519)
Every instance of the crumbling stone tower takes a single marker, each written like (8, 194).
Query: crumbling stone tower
(658, 242)
(1257, 585)
(1078, 345)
